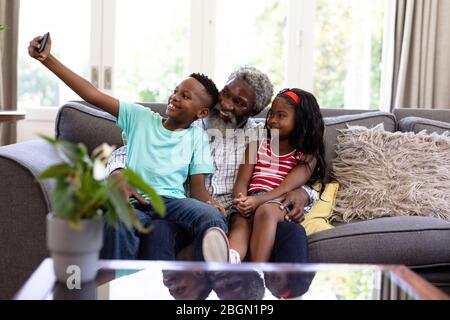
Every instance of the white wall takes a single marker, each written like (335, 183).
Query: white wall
(37, 121)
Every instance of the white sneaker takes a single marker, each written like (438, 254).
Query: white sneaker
(215, 246)
(235, 257)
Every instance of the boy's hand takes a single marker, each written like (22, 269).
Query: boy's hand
(216, 204)
(126, 189)
(34, 46)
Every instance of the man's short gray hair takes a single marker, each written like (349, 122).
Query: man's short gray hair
(259, 82)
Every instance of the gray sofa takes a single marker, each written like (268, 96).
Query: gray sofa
(418, 242)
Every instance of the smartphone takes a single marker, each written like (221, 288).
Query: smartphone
(43, 42)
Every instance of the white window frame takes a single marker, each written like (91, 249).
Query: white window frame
(203, 35)
(387, 64)
(103, 39)
(300, 62)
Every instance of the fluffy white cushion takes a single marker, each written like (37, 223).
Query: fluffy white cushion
(391, 174)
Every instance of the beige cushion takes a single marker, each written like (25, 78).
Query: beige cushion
(391, 174)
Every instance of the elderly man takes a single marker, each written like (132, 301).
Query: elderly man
(230, 127)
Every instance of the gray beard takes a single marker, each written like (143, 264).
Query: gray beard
(215, 122)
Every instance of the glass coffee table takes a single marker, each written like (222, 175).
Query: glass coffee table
(162, 280)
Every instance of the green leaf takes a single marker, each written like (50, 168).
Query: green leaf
(140, 228)
(70, 152)
(136, 181)
(77, 195)
(138, 225)
(110, 214)
(121, 206)
(56, 171)
(122, 209)
(63, 201)
(89, 204)
(48, 138)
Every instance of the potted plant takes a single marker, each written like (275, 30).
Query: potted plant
(82, 200)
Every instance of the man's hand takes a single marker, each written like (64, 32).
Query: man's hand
(126, 189)
(34, 46)
(298, 199)
(216, 204)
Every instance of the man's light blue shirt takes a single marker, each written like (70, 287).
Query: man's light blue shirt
(163, 158)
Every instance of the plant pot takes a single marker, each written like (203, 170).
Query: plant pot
(69, 247)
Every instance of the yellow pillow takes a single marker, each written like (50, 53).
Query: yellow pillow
(317, 219)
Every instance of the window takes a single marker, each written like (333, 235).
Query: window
(347, 53)
(330, 47)
(69, 26)
(251, 33)
(152, 48)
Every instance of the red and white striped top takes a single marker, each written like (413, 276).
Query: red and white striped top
(271, 169)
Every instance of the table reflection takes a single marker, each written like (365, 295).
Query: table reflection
(288, 285)
(187, 285)
(244, 282)
(235, 285)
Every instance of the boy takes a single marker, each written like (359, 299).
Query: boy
(163, 152)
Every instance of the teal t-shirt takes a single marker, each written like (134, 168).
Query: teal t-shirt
(163, 158)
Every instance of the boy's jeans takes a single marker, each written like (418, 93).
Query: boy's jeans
(185, 219)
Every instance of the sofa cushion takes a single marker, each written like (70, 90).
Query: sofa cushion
(416, 125)
(391, 174)
(318, 218)
(413, 241)
(368, 119)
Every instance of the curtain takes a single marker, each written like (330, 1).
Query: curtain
(9, 17)
(421, 63)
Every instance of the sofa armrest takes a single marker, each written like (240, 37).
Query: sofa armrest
(416, 125)
(25, 203)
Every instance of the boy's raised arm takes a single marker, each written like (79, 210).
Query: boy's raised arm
(79, 85)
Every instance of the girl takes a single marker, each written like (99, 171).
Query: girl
(291, 156)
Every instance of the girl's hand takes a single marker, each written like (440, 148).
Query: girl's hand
(247, 205)
(217, 205)
(238, 200)
(237, 204)
(34, 46)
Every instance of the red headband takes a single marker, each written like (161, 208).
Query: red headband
(291, 94)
